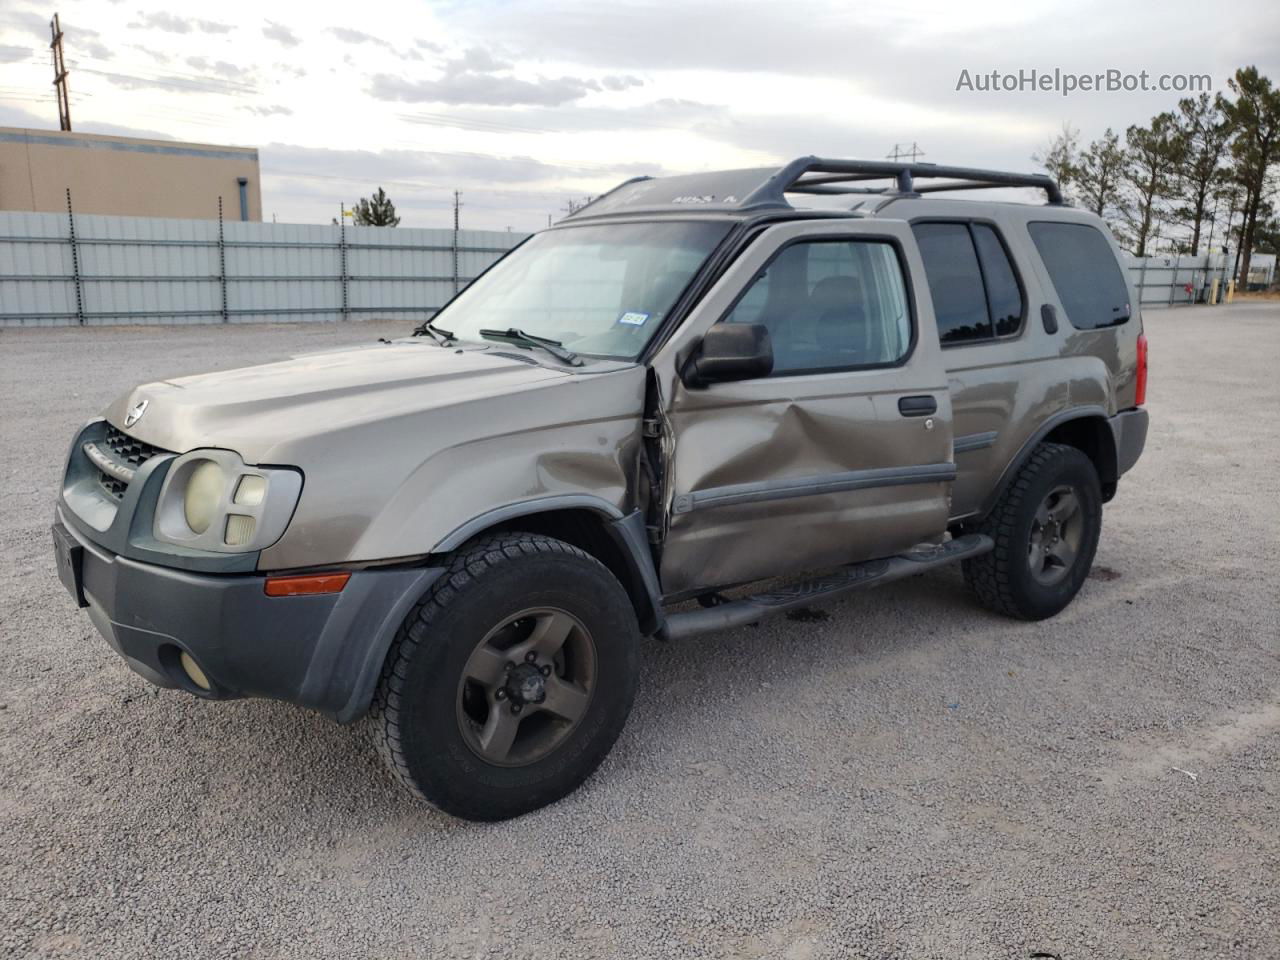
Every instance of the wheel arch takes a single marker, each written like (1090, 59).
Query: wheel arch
(1085, 428)
(617, 540)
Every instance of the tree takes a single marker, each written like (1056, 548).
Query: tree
(1254, 117)
(1152, 158)
(1097, 175)
(1205, 135)
(1060, 156)
(377, 211)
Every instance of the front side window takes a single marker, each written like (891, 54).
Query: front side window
(600, 290)
(1084, 272)
(975, 291)
(830, 305)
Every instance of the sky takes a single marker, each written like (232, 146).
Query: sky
(523, 106)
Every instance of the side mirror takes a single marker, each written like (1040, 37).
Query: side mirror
(730, 351)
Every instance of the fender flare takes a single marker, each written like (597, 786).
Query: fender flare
(524, 508)
(1024, 452)
(627, 531)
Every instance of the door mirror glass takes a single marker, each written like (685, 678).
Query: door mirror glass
(730, 351)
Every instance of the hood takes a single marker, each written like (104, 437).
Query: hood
(253, 410)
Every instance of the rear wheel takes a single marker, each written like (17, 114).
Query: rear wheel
(510, 680)
(1045, 527)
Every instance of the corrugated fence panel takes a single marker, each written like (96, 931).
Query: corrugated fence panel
(142, 270)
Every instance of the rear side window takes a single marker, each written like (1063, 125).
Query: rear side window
(1004, 298)
(975, 291)
(1084, 272)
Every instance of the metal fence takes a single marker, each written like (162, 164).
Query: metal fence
(1177, 280)
(64, 269)
(58, 270)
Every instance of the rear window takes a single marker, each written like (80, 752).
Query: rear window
(976, 295)
(1084, 272)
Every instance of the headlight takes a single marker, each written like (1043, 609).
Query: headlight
(203, 496)
(212, 500)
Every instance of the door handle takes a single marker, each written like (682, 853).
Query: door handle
(923, 406)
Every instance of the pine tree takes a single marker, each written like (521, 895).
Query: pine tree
(1097, 174)
(377, 211)
(1255, 148)
(1205, 132)
(1154, 156)
(1061, 157)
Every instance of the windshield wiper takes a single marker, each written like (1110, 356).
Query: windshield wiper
(553, 347)
(440, 335)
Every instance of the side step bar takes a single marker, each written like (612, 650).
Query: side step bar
(855, 576)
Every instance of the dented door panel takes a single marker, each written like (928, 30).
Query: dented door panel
(785, 473)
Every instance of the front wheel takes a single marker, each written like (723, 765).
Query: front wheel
(1045, 527)
(510, 680)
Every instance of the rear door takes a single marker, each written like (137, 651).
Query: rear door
(844, 452)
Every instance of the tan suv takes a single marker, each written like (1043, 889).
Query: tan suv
(688, 386)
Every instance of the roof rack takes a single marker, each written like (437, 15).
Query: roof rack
(813, 175)
(737, 191)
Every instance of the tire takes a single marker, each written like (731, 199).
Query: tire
(1020, 578)
(434, 715)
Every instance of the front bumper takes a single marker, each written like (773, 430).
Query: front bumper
(323, 652)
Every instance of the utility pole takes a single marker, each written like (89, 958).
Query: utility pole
(457, 206)
(899, 152)
(60, 75)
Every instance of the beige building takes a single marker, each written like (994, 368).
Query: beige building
(126, 176)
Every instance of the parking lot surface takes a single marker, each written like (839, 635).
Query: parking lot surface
(908, 777)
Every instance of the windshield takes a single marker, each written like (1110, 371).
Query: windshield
(600, 290)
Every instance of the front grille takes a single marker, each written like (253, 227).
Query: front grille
(126, 450)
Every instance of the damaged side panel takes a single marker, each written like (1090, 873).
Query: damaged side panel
(789, 472)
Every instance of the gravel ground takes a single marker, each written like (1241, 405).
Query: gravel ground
(910, 777)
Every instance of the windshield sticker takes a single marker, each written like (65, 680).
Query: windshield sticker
(634, 318)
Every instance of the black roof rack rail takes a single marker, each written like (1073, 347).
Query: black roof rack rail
(735, 192)
(815, 175)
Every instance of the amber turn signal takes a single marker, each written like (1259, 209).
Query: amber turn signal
(307, 584)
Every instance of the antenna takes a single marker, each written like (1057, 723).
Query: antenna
(60, 74)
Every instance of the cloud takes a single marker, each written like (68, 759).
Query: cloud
(481, 88)
(347, 35)
(14, 54)
(32, 23)
(158, 55)
(621, 82)
(223, 69)
(428, 45)
(270, 111)
(280, 34)
(417, 168)
(478, 77)
(474, 60)
(173, 83)
(163, 20)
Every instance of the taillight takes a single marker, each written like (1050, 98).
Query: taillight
(1140, 392)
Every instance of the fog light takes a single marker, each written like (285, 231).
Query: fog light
(193, 671)
(239, 530)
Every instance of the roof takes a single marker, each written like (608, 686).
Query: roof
(98, 141)
(764, 188)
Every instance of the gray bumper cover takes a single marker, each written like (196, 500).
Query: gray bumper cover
(1130, 431)
(323, 652)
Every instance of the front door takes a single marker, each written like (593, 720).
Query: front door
(844, 452)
